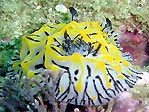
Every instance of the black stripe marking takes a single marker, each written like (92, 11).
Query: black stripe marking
(89, 71)
(129, 83)
(88, 36)
(85, 27)
(16, 56)
(77, 36)
(10, 64)
(84, 92)
(56, 51)
(116, 40)
(128, 77)
(111, 91)
(109, 24)
(76, 97)
(135, 71)
(17, 53)
(37, 73)
(51, 26)
(116, 86)
(37, 53)
(10, 71)
(66, 36)
(90, 101)
(75, 79)
(97, 77)
(57, 87)
(47, 34)
(43, 58)
(90, 48)
(64, 67)
(15, 59)
(66, 92)
(59, 44)
(107, 48)
(46, 42)
(25, 61)
(70, 100)
(96, 50)
(93, 34)
(39, 66)
(76, 72)
(28, 52)
(98, 93)
(32, 39)
(121, 85)
(112, 32)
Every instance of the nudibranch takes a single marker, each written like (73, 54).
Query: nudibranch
(95, 69)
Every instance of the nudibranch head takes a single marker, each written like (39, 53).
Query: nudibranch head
(95, 69)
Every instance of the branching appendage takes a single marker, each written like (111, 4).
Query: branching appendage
(50, 89)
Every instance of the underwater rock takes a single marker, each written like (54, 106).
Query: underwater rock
(134, 43)
(61, 8)
(125, 103)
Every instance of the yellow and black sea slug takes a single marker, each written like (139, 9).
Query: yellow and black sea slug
(95, 69)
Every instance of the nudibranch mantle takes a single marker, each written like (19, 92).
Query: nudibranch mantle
(95, 69)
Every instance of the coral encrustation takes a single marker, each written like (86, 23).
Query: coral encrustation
(134, 43)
